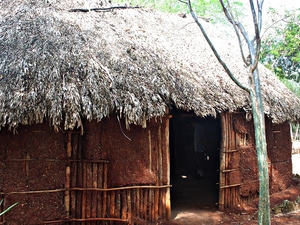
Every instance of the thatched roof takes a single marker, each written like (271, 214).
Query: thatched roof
(65, 66)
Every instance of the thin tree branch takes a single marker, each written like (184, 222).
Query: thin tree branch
(259, 8)
(213, 48)
(229, 16)
(257, 21)
(277, 21)
(103, 9)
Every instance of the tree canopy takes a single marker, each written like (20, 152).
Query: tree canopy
(280, 49)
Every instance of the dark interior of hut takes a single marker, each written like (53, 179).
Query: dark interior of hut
(195, 163)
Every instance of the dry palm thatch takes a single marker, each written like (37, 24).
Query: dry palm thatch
(66, 65)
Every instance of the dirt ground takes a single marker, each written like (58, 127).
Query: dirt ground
(246, 214)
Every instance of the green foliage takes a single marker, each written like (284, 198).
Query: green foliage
(281, 50)
(208, 9)
(291, 85)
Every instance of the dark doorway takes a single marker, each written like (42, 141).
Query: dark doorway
(195, 161)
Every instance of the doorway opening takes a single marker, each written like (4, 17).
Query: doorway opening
(195, 161)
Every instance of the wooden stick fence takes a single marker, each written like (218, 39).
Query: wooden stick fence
(86, 197)
(229, 194)
(124, 204)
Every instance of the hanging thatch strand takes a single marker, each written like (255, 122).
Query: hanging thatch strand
(64, 66)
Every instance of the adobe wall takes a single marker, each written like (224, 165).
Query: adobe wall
(32, 160)
(279, 147)
(35, 159)
(132, 154)
(280, 154)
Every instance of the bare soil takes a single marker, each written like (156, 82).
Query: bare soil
(246, 214)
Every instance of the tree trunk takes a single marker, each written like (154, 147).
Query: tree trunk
(261, 149)
(254, 91)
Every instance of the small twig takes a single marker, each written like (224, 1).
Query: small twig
(103, 9)
(122, 129)
(282, 19)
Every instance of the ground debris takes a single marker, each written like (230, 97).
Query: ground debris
(286, 206)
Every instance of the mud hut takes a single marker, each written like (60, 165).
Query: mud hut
(98, 109)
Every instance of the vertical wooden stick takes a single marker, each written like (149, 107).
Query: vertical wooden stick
(73, 181)
(89, 183)
(138, 203)
(100, 194)
(94, 193)
(160, 167)
(118, 205)
(67, 185)
(104, 186)
(223, 148)
(157, 202)
(146, 201)
(148, 209)
(108, 203)
(134, 203)
(67, 192)
(79, 177)
(164, 209)
(79, 193)
(168, 172)
(129, 209)
(124, 205)
(150, 150)
(112, 204)
(83, 200)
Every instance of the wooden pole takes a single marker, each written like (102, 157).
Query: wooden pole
(223, 148)
(129, 212)
(138, 201)
(124, 205)
(151, 205)
(108, 209)
(73, 175)
(68, 173)
(146, 201)
(168, 172)
(150, 150)
(112, 204)
(134, 204)
(105, 187)
(118, 204)
(79, 177)
(89, 183)
(94, 194)
(159, 170)
(99, 194)
(160, 166)
(83, 199)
